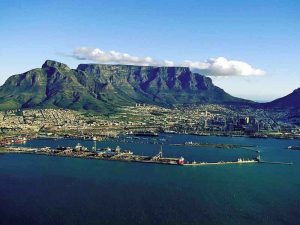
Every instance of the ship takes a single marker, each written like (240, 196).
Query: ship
(181, 161)
(79, 147)
(61, 148)
(147, 134)
(294, 148)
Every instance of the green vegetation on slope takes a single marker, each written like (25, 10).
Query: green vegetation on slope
(102, 88)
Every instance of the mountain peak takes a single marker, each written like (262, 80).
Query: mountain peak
(52, 63)
(289, 101)
(296, 90)
(100, 87)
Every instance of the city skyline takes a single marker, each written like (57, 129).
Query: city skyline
(263, 37)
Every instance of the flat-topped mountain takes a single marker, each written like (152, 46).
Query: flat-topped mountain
(100, 87)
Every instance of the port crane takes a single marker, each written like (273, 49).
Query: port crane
(159, 155)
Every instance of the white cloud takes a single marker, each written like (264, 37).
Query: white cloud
(97, 55)
(211, 67)
(223, 67)
(168, 63)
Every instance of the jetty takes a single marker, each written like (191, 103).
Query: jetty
(239, 161)
(80, 151)
(212, 145)
(117, 154)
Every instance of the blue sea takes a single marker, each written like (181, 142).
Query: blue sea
(39, 189)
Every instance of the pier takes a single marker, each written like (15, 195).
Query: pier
(117, 154)
(80, 151)
(221, 163)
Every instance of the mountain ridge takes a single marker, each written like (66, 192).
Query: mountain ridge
(103, 87)
(291, 100)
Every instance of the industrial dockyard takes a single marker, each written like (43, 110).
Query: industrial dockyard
(117, 154)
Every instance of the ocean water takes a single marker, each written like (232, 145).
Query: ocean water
(38, 189)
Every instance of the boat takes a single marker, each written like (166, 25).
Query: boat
(181, 161)
(79, 147)
(170, 132)
(19, 141)
(61, 148)
(294, 148)
(146, 133)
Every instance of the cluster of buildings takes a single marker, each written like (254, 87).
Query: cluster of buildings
(205, 119)
(196, 119)
(52, 122)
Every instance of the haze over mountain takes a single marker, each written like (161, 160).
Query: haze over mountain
(98, 87)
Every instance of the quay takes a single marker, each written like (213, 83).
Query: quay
(239, 161)
(80, 151)
(117, 154)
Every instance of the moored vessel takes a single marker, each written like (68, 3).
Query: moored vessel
(294, 148)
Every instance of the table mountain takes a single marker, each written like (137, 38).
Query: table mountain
(98, 87)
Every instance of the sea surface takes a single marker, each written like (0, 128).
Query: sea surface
(39, 189)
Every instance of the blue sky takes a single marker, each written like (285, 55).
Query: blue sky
(263, 34)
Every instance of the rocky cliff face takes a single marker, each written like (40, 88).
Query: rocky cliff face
(103, 87)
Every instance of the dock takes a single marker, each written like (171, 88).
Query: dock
(117, 154)
(80, 151)
(221, 163)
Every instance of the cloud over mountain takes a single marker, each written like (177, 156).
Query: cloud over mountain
(97, 55)
(219, 66)
(223, 67)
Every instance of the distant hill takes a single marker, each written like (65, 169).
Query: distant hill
(291, 101)
(98, 87)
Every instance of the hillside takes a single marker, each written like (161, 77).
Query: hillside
(98, 87)
(290, 101)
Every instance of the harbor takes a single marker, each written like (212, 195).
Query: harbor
(60, 176)
(80, 151)
(148, 148)
(117, 154)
